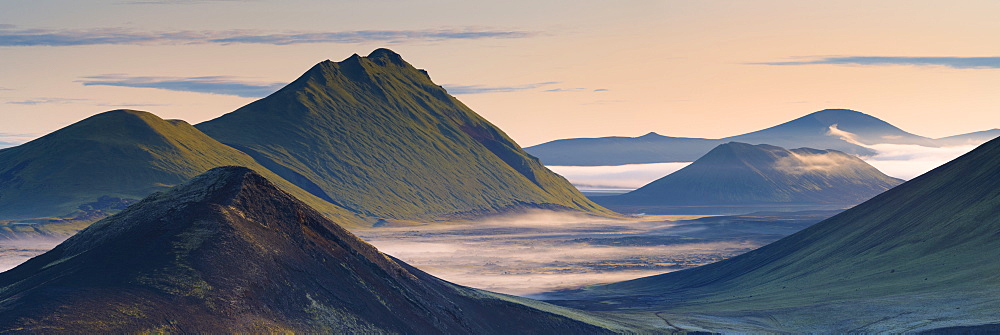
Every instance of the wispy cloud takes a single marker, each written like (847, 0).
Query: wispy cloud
(177, 2)
(10, 36)
(574, 89)
(904, 161)
(13, 139)
(952, 62)
(224, 85)
(41, 101)
(126, 104)
(480, 89)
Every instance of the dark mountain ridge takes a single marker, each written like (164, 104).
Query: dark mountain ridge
(230, 252)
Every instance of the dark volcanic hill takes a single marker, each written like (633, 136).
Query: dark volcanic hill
(920, 256)
(810, 131)
(228, 252)
(744, 174)
(106, 161)
(375, 135)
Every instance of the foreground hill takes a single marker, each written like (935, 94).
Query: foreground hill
(918, 257)
(377, 136)
(230, 252)
(105, 162)
(823, 129)
(744, 174)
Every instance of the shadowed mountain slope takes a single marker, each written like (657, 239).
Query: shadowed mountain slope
(377, 136)
(743, 174)
(920, 256)
(230, 252)
(104, 162)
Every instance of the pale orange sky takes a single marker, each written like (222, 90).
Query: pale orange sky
(679, 68)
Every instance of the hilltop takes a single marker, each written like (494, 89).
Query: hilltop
(103, 163)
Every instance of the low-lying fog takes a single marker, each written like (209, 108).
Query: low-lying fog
(13, 253)
(903, 161)
(539, 252)
(542, 251)
(621, 178)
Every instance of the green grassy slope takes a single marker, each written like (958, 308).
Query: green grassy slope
(91, 165)
(377, 136)
(228, 252)
(738, 174)
(929, 243)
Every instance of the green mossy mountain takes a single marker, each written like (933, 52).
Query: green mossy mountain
(228, 252)
(103, 163)
(375, 135)
(744, 174)
(920, 256)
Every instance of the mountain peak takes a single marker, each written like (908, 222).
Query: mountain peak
(223, 183)
(334, 130)
(837, 111)
(383, 56)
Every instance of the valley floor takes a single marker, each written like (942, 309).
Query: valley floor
(539, 252)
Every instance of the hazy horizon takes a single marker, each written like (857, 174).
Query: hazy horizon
(679, 68)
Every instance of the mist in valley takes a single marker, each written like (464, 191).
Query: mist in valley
(541, 251)
(15, 252)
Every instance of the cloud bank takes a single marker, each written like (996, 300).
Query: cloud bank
(619, 177)
(10, 36)
(44, 101)
(905, 161)
(828, 163)
(223, 85)
(13, 139)
(952, 62)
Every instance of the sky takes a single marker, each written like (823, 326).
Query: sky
(540, 70)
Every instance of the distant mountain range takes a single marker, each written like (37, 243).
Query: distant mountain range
(919, 257)
(370, 136)
(229, 252)
(743, 174)
(824, 129)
